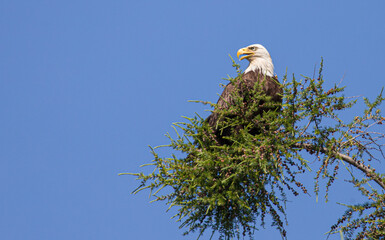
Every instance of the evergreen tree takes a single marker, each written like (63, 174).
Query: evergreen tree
(231, 188)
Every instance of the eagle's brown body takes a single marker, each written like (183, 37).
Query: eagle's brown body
(269, 85)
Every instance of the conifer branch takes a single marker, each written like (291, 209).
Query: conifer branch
(357, 164)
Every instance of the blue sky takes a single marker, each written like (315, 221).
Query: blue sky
(86, 86)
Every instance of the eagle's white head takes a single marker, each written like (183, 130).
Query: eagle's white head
(259, 59)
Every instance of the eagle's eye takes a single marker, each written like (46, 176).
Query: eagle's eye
(253, 48)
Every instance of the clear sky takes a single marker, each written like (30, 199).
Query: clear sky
(86, 86)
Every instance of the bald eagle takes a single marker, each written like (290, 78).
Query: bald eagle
(260, 70)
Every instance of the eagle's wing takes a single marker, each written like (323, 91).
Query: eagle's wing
(224, 101)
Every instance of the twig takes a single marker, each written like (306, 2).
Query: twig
(369, 172)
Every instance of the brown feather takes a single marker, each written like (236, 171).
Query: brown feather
(270, 86)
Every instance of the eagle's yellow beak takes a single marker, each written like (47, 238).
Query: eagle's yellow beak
(244, 51)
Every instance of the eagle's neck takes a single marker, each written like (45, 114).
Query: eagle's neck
(263, 65)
